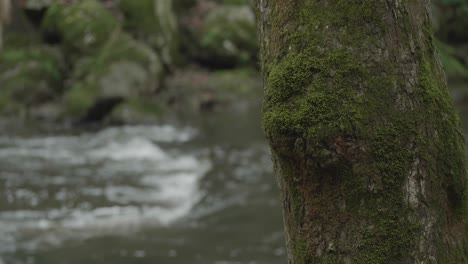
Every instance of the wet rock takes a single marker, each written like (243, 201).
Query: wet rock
(153, 22)
(100, 109)
(29, 77)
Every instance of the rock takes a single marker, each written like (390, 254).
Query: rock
(194, 90)
(138, 110)
(46, 112)
(125, 68)
(30, 77)
(82, 27)
(100, 109)
(190, 91)
(122, 78)
(221, 36)
(153, 22)
(110, 65)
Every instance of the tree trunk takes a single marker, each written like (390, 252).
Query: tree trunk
(367, 148)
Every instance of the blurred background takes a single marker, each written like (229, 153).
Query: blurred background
(130, 131)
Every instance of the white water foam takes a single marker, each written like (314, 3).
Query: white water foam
(138, 183)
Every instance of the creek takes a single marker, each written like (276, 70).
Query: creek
(198, 191)
(169, 193)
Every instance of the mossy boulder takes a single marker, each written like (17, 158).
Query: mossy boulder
(153, 22)
(29, 77)
(125, 68)
(222, 36)
(229, 35)
(82, 27)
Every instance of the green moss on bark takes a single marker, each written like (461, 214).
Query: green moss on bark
(340, 98)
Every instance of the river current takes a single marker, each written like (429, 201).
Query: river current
(192, 192)
(163, 193)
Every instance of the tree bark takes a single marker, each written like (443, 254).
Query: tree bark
(367, 147)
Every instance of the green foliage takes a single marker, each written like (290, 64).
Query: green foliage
(453, 66)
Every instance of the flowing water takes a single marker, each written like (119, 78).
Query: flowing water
(200, 192)
(176, 194)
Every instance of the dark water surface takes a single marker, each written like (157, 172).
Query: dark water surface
(200, 192)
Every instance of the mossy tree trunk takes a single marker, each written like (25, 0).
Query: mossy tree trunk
(366, 144)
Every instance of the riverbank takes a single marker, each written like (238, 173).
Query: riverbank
(127, 61)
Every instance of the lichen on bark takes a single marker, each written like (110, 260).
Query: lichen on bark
(366, 144)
